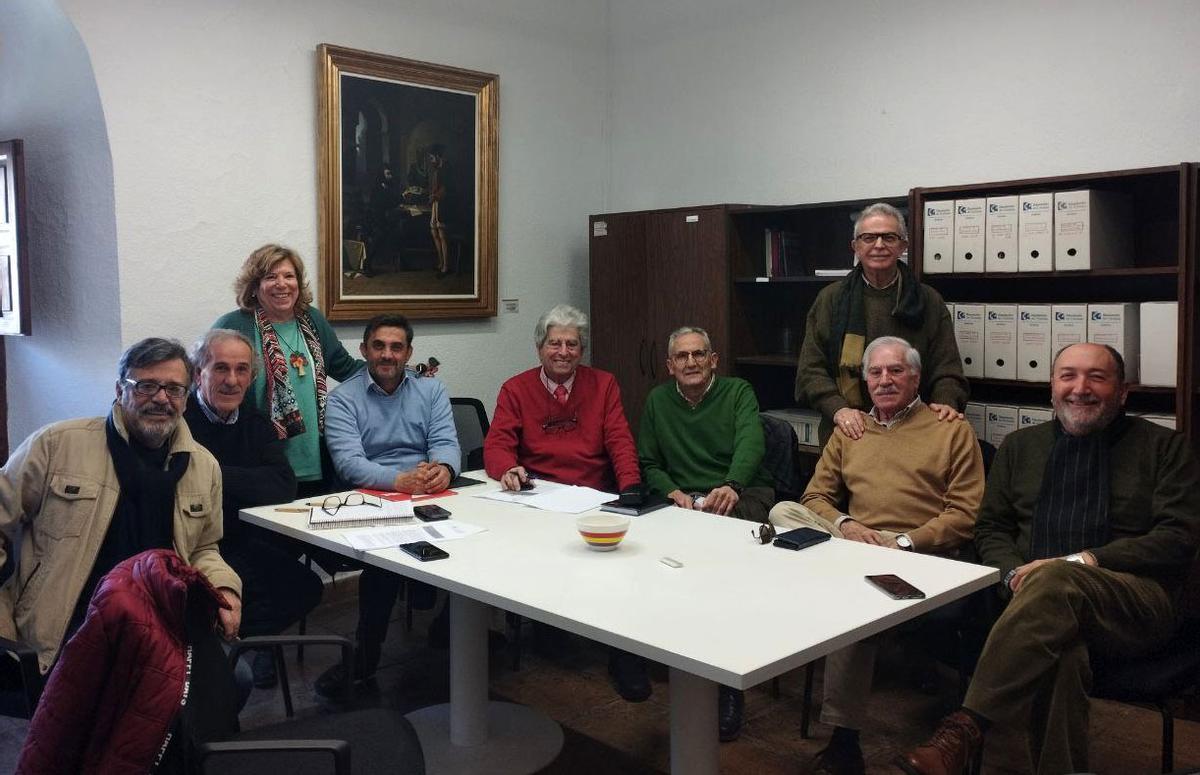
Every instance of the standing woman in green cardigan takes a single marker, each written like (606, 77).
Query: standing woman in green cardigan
(299, 351)
(880, 297)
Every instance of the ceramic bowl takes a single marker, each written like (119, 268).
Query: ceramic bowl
(602, 532)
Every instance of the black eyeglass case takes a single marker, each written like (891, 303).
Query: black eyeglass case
(801, 538)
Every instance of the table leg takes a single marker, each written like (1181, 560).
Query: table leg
(693, 724)
(471, 734)
(468, 671)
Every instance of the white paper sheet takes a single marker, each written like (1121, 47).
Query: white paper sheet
(552, 497)
(385, 537)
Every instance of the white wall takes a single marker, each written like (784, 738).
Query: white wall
(778, 102)
(48, 98)
(604, 105)
(212, 120)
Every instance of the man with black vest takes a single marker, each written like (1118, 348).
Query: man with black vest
(255, 472)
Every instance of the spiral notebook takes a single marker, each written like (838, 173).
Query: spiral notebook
(387, 513)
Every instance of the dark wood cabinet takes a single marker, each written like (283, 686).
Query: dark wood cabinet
(652, 272)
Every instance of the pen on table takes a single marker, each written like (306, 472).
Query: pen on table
(294, 509)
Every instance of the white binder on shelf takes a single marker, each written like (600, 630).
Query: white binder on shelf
(1116, 325)
(1068, 327)
(969, 235)
(1028, 416)
(1001, 421)
(1000, 341)
(1092, 230)
(968, 333)
(1159, 333)
(1033, 342)
(937, 251)
(976, 415)
(1035, 232)
(1001, 250)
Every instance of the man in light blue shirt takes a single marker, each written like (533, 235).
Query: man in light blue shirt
(387, 429)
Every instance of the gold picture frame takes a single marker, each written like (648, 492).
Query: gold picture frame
(408, 187)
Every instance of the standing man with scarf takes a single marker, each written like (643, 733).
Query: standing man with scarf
(880, 297)
(1093, 520)
(80, 496)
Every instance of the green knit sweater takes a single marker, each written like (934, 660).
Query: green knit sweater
(694, 450)
(942, 380)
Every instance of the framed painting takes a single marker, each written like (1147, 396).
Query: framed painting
(408, 187)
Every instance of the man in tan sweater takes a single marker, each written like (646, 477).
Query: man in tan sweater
(910, 483)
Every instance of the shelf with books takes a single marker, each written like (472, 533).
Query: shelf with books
(769, 308)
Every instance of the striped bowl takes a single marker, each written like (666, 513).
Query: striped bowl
(602, 532)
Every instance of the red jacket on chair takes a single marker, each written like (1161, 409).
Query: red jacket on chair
(120, 681)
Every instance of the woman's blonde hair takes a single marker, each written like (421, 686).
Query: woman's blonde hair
(255, 268)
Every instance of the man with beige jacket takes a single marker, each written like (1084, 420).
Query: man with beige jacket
(79, 496)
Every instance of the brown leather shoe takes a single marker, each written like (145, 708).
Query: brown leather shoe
(952, 746)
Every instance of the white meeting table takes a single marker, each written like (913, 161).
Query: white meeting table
(736, 613)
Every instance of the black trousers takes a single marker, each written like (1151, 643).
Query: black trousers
(277, 591)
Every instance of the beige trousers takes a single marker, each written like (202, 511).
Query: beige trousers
(848, 671)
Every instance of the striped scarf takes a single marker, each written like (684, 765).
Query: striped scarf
(285, 412)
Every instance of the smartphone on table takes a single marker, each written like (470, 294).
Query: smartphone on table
(895, 587)
(430, 513)
(424, 551)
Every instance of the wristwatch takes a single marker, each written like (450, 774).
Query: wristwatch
(1077, 557)
(904, 542)
(1008, 577)
(737, 488)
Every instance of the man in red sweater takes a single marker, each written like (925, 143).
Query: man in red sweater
(561, 421)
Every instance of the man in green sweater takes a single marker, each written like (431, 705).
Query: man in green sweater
(1093, 521)
(910, 482)
(700, 443)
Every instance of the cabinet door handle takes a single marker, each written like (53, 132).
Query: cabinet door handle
(642, 356)
(650, 358)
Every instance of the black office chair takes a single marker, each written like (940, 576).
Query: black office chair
(780, 457)
(1161, 678)
(471, 422)
(380, 739)
(20, 698)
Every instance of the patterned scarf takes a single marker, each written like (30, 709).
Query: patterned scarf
(848, 328)
(285, 412)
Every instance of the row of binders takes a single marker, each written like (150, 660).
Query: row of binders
(1063, 231)
(1018, 341)
(992, 422)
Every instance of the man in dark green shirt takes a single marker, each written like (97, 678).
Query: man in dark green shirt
(1093, 521)
(700, 442)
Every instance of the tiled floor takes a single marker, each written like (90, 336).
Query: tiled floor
(607, 735)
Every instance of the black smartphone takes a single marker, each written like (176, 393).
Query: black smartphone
(424, 551)
(800, 538)
(430, 513)
(895, 587)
